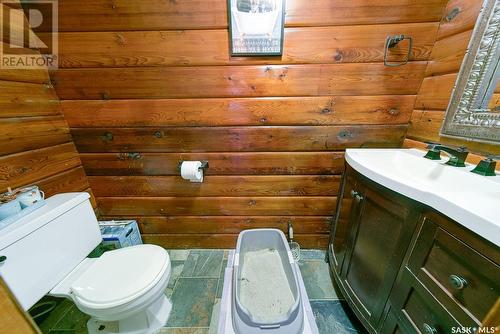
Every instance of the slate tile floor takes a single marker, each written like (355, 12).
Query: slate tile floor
(195, 289)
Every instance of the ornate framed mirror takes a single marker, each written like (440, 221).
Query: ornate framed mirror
(474, 109)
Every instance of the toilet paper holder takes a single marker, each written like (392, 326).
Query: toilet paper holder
(204, 165)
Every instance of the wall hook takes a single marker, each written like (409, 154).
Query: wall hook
(392, 41)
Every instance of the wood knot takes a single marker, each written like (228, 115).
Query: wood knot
(325, 111)
(338, 56)
(105, 95)
(393, 111)
(345, 134)
(120, 40)
(452, 14)
(158, 134)
(107, 137)
(283, 74)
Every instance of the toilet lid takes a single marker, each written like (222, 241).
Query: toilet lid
(121, 275)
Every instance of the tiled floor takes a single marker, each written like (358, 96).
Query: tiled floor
(195, 289)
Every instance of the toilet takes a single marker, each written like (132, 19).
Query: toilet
(46, 253)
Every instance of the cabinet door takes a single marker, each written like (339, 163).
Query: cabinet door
(347, 210)
(379, 237)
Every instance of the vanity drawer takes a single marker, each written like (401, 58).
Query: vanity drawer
(422, 313)
(455, 273)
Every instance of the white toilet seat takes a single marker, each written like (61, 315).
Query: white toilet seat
(121, 276)
(124, 288)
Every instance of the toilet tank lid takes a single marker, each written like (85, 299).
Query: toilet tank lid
(53, 208)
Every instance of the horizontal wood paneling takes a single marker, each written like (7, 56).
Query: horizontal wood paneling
(29, 166)
(173, 241)
(425, 125)
(101, 15)
(15, 29)
(459, 16)
(331, 110)
(228, 224)
(150, 83)
(265, 138)
(234, 81)
(69, 181)
(18, 99)
(447, 54)
(342, 44)
(35, 141)
(340, 12)
(238, 163)
(435, 92)
(226, 186)
(28, 133)
(40, 76)
(218, 206)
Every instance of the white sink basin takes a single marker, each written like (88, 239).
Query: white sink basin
(470, 199)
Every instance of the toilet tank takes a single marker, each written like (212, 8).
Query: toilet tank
(41, 248)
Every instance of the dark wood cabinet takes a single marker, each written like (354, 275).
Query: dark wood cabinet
(371, 255)
(405, 268)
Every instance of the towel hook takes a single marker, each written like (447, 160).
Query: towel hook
(392, 41)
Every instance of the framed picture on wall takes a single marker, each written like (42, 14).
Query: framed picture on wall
(256, 27)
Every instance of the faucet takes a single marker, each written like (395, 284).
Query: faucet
(457, 155)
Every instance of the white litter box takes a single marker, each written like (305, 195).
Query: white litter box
(263, 289)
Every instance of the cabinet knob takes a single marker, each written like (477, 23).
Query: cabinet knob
(3, 258)
(356, 195)
(457, 282)
(428, 329)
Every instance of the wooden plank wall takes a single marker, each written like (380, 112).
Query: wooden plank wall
(35, 141)
(145, 84)
(446, 58)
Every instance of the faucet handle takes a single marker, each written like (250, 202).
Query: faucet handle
(430, 144)
(433, 153)
(486, 167)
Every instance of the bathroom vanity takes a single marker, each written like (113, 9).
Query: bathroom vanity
(412, 260)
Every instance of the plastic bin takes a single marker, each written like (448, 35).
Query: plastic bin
(119, 234)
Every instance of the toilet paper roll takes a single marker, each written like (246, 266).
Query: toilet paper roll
(190, 170)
